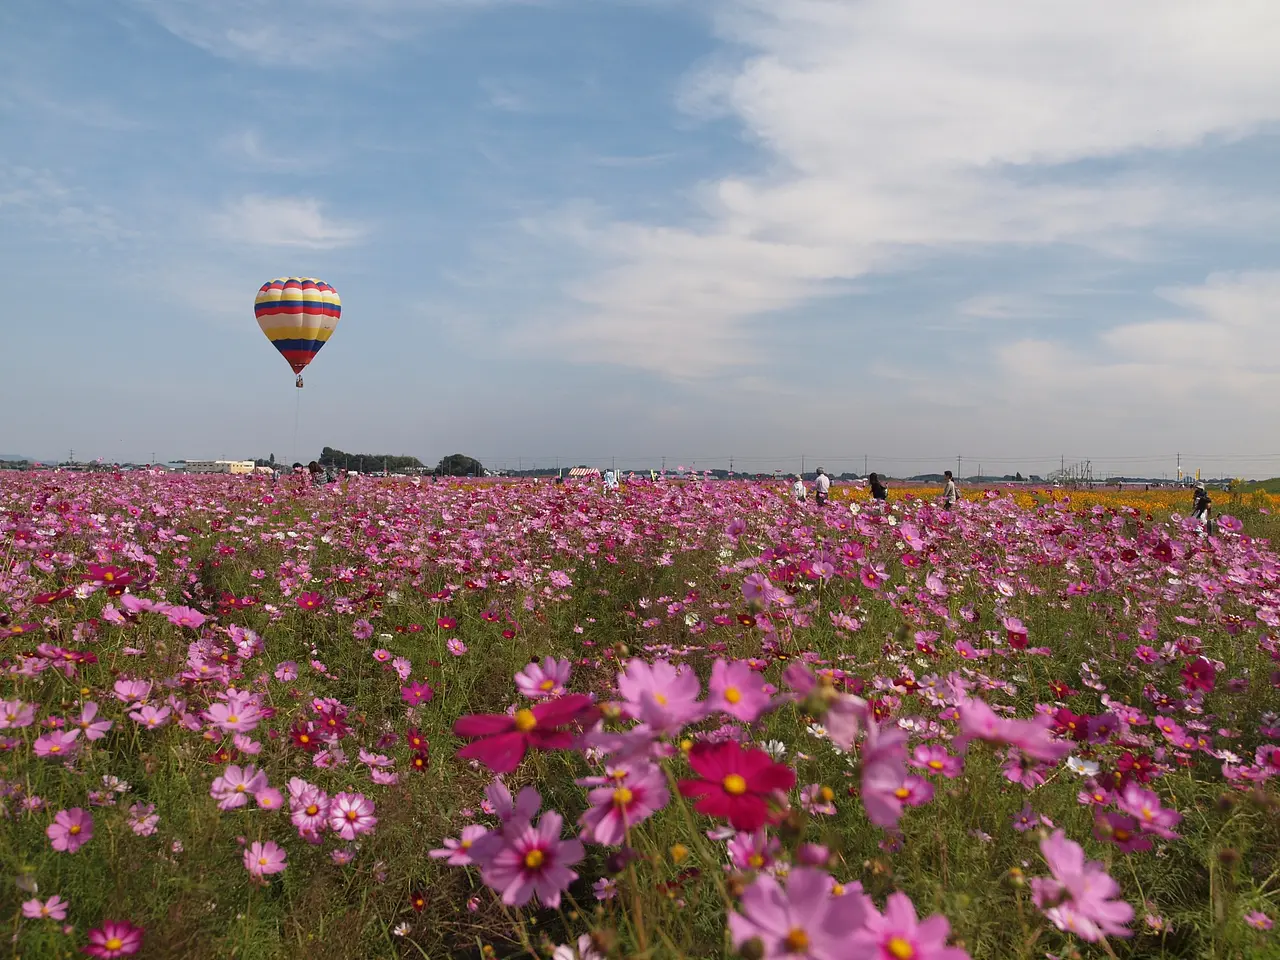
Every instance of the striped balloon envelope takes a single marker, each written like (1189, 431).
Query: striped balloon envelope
(298, 315)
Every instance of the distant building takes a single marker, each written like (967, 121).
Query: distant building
(583, 472)
(218, 466)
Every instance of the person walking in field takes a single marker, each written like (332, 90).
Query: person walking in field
(821, 487)
(798, 490)
(1201, 505)
(610, 481)
(949, 492)
(878, 491)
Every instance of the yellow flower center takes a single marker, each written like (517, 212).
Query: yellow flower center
(547, 685)
(900, 949)
(1121, 834)
(732, 695)
(902, 793)
(55, 748)
(353, 816)
(115, 943)
(734, 784)
(837, 890)
(533, 859)
(525, 720)
(303, 738)
(797, 941)
(756, 861)
(935, 764)
(240, 787)
(233, 719)
(466, 844)
(827, 794)
(74, 829)
(660, 699)
(312, 810)
(622, 796)
(262, 861)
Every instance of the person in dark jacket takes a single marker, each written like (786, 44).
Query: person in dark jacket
(1200, 507)
(878, 491)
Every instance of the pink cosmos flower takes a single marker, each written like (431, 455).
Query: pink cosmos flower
(1144, 806)
(57, 745)
(149, 717)
(15, 714)
(1121, 830)
(185, 617)
(898, 934)
(70, 830)
(1078, 898)
(362, 629)
(143, 819)
(269, 799)
(309, 808)
(804, 922)
(132, 692)
(499, 802)
(55, 908)
(663, 697)
(884, 774)
(455, 646)
(637, 793)
(286, 671)
(235, 786)
(115, 938)
(737, 690)
(264, 859)
(239, 714)
(524, 861)
(351, 814)
(1256, 919)
(501, 741)
(979, 722)
(934, 759)
(542, 681)
(457, 853)
(753, 851)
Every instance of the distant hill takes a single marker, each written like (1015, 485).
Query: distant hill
(12, 456)
(1267, 486)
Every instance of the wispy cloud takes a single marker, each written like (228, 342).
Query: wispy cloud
(284, 222)
(247, 147)
(893, 128)
(294, 33)
(59, 210)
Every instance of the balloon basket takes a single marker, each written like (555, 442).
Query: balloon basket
(298, 383)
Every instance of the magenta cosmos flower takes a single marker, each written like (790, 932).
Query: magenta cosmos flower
(264, 859)
(416, 693)
(897, 934)
(351, 814)
(70, 830)
(524, 861)
(738, 690)
(804, 922)
(736, 784)
(637, 794)
(115, 938)
(543, 681)
(1145, 807)
(502, 740)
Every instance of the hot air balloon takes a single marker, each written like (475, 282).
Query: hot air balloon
(298, 315)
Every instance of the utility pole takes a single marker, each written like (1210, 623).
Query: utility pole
(864, 464)
(731, 464)
(1179, 468)
(957, 467)
(802, 465)
(664, 464)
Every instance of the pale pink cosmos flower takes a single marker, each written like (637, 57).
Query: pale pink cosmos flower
(269, 798)
(309, 807)
(351, 814)
(934, 759)
(57, 744)
(543, 681)
(737, 690)
(143, 819)
(15, 714)
(804, 922)
(884, 774)
(457, 853)
(55, 908)
(149, 717)
(1078, 897)
(897, 933)
(235, 786)
(239, 714)
(1256, 919)
(753, 851)
(286, 671)
(132, 692)
(264, 859)
(500, 803)
(456, 646)
(663, 697)
(70, 830)
(362, 629)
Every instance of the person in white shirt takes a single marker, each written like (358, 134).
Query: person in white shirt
(798, 491)
(610, 481)
(821, 487)
(949, 493)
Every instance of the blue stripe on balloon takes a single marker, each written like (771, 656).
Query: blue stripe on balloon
(311, 306)
(312, 345)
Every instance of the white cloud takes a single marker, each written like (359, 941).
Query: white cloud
(895, 128)
(284, 222)
(42, 197)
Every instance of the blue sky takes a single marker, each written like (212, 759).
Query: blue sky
(587, 229)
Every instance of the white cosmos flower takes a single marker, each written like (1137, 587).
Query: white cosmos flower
(1083, 768)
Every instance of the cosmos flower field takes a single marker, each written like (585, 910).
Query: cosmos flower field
(381, 719)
